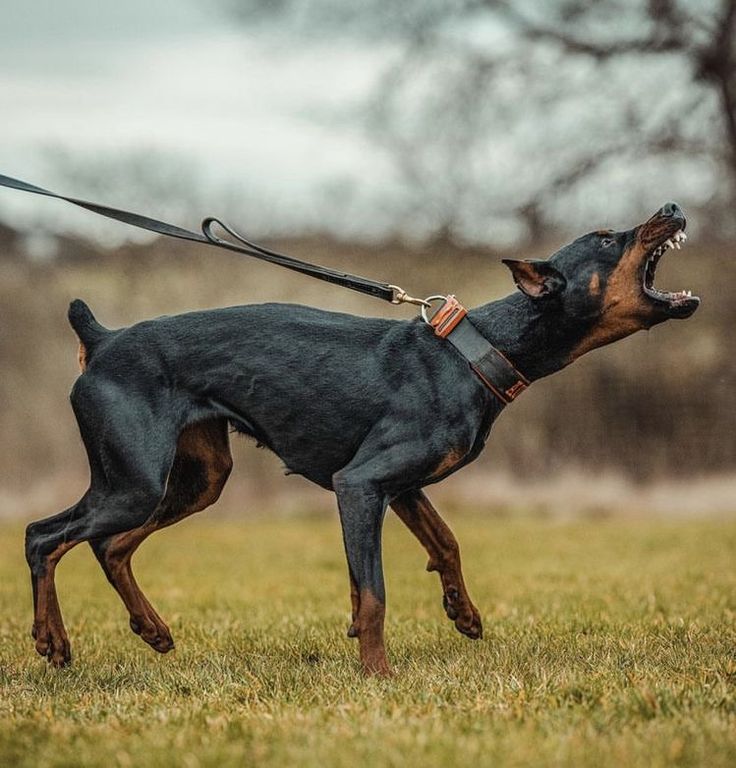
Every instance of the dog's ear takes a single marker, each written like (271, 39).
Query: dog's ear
(536, 279)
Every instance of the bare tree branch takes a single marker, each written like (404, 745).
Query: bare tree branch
(573, 86)
(662, 40)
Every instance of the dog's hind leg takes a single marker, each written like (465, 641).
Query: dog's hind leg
(48, 540)
(130, 453)
(422, 519)
(48, 626)
(113, 554)
(201, 467)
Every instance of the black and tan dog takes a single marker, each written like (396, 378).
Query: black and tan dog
(372, 409)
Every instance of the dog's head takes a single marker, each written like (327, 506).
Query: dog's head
(604, 281)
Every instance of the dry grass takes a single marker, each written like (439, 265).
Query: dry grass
(607, 644)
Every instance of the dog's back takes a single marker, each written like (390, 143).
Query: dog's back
(307, 383)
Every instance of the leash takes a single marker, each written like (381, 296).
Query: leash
(449, 320)
(391, 293)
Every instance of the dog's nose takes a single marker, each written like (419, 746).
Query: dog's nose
(672, 210)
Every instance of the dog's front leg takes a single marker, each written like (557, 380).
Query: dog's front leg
(362, 507)
(422, 519)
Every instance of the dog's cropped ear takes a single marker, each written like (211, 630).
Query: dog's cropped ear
(536, 279)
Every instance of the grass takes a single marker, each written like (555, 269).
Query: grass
(607, 643)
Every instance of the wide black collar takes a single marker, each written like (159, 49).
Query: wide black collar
(492, 367)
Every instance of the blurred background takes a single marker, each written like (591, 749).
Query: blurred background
(417, 142)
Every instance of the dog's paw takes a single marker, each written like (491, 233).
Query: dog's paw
(53, 644)
(463, 613)
(470, 625)
(154, 632)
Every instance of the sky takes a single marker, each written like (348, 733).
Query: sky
(170, 108)
(95, 85)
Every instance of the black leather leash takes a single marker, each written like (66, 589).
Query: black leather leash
(384, 291)
(449, 321)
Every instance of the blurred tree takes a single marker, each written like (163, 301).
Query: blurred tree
(540, 114)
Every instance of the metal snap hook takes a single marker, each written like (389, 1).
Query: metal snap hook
(402, 297)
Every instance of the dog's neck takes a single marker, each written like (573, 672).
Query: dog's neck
(537, 342)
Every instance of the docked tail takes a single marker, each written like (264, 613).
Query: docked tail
(89, 331)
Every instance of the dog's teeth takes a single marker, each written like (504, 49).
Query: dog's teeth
(677, 245)
(669, 244)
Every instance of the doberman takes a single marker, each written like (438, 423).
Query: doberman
(372, 409)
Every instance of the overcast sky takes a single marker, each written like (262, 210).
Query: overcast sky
(171, 108)
(101, 81)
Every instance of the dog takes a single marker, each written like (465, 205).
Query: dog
(372, 409)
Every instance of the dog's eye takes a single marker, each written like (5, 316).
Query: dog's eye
(607, 242)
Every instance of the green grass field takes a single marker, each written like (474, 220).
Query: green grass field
(606, 644)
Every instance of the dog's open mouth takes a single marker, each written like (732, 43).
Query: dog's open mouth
(679, 303)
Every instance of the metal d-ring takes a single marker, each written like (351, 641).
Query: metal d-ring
(427, 303)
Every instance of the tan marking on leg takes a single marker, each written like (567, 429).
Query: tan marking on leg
(208, 442)
(423, 520)
(144, 620)
(370, 635)
(48, 624)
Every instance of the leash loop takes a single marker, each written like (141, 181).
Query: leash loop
(207, 225)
